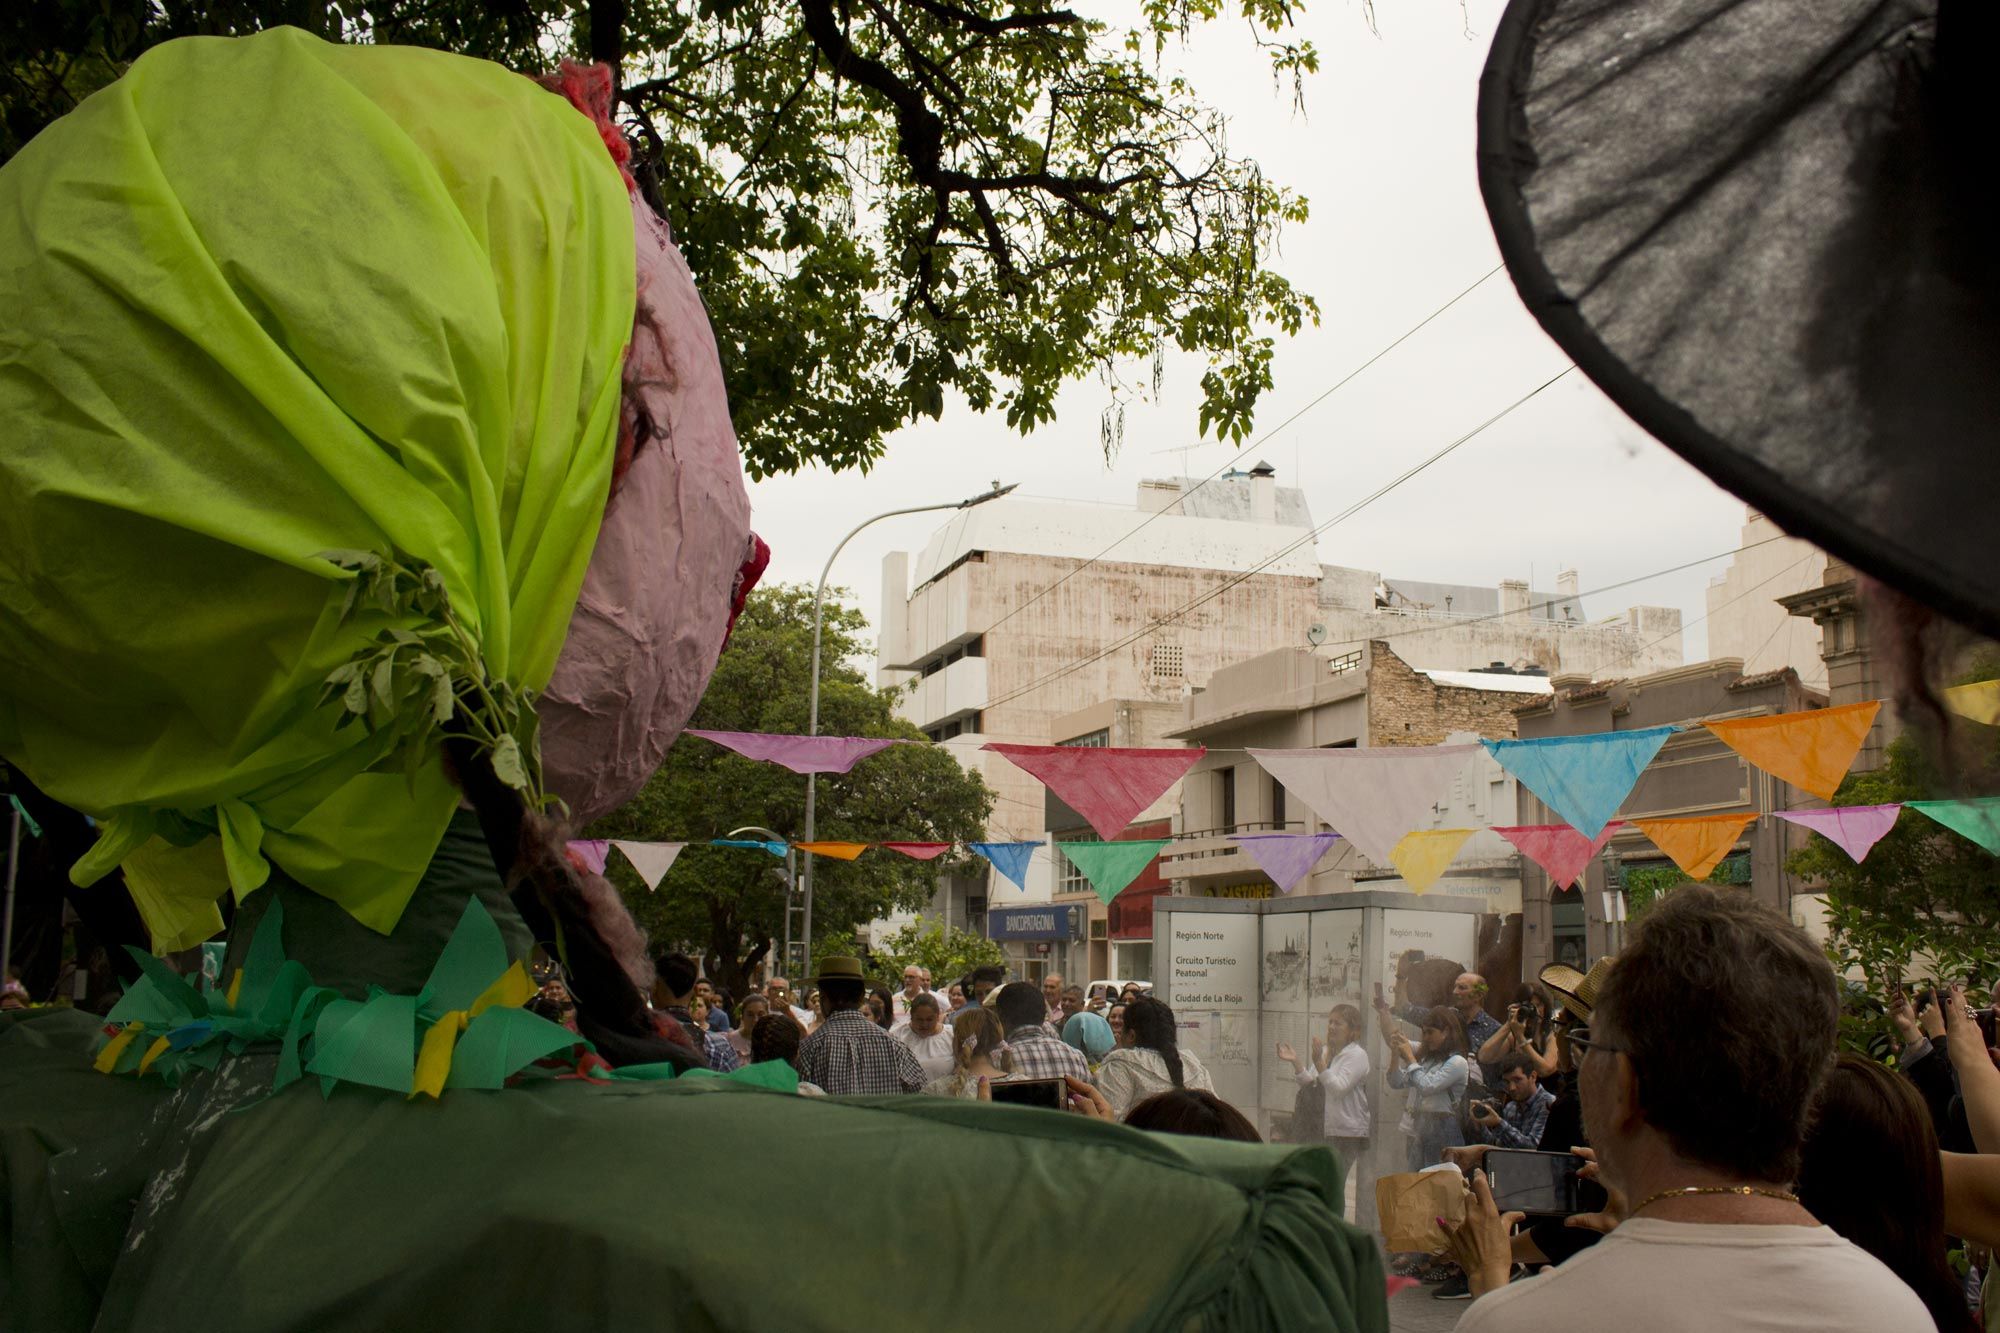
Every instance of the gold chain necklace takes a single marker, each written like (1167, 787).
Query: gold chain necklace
(1744, 1190)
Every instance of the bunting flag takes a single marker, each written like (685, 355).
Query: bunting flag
(1286, 857)
(1582, 778)
(1855, 829)
(1811, 750)
(588, 853)
(838, 851)
(1977, 819)
(1424, 855)
(1111, 866)
(774, 848)
(921, 851)
(651, 859)
(1697, 844)
(1557, 848)
(801, 754)
(1009, 858)
(1371, 796)
(1979, 701)
(1108, 787)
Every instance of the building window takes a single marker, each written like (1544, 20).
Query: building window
(1344, 663)
(1168, 662)
(1068, 878)
(1096, 740)
(1277, 804)
(1227, 777)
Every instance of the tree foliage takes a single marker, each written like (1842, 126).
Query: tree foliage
(949, 953)
(1925, 897)
(883, 201)
(728, 903)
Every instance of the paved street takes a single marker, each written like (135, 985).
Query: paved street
(1414, 1311)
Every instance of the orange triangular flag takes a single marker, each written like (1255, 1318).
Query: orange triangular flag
(1812, 751)
(839, 851)
(1698, 844)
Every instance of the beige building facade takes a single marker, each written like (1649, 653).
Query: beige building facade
(1747, 621)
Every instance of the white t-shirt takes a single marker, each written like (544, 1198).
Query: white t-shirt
(1650, 1276)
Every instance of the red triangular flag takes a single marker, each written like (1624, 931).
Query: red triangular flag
(1557, 848)
(1108, 787)
(922, 851)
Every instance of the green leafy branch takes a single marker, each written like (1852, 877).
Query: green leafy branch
(418, 684)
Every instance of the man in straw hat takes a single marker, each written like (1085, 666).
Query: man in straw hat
(1705, 1045)
(847, 1053)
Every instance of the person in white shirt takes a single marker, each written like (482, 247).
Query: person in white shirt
(916, 983)
(1705, 1049)
(1340, 1067)
(927, 1037)
(1148, 1059)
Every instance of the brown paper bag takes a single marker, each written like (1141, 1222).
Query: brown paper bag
(1409, 1203)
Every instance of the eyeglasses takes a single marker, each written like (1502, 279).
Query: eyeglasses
(1584, 1043)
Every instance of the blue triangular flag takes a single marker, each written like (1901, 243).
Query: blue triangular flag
(1584, 779)
(1009, 858)
(774, 848)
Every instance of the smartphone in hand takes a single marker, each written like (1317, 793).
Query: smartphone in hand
(1540, 1184)
(1044, 1092)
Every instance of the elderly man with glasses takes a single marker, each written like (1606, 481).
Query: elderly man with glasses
(1704, 1052)
(916, 983)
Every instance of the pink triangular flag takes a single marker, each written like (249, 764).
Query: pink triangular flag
(1557, 848)
(1286, 857)
(1855, 829)
(922, 851)
(651, 859)
(801, 754)
(1108, 787)
(589, 853)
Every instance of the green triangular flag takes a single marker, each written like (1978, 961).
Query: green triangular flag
(1110, 866)
(1977, 819)
(376, 1044)
(502, 1042)
(472, 958)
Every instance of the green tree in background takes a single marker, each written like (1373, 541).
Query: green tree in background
(727, 904)
(948, 952)
(883, 201)
(1924, 897)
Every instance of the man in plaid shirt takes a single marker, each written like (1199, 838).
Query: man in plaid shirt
(1522, 1117)
(847, 1054)
(1035, 1052)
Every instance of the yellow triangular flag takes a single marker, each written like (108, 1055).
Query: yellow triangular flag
(1422, 856)
(1697, 844)
(839, 851)
(1812, 751)
(1979, 701)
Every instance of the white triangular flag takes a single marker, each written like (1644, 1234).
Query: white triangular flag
(651, 859)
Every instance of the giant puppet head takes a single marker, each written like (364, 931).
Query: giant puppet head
(266, 298)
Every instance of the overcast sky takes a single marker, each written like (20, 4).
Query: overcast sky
(1385, 152)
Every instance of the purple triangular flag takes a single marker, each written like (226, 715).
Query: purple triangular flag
(1855, 829)
(589, 853)
(801, 754)
(1286, 857)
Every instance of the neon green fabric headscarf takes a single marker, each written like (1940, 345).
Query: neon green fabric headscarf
(259, 299)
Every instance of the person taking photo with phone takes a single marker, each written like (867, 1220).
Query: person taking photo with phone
(1437, 1079)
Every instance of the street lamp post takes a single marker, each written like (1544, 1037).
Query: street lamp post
(812, 722)
(791, 885)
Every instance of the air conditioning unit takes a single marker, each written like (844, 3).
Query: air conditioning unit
(1100, 930)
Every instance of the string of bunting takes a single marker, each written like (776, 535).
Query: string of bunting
(1378, 798)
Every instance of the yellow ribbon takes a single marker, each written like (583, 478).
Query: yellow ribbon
(153, 1052)
(510, 989)
(107, 1059)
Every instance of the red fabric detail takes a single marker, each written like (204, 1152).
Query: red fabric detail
(921, 851)
(1130, 914)
(747, 574)
(592, 89)
(1106, 786)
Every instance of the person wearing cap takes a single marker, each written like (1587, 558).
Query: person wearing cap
(846, 1054)
(1708, 1043)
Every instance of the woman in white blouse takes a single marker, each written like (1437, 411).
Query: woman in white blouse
(1340, 1067)
(1147, 1059)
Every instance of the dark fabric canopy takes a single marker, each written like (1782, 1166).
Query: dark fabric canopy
(1765, 229)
